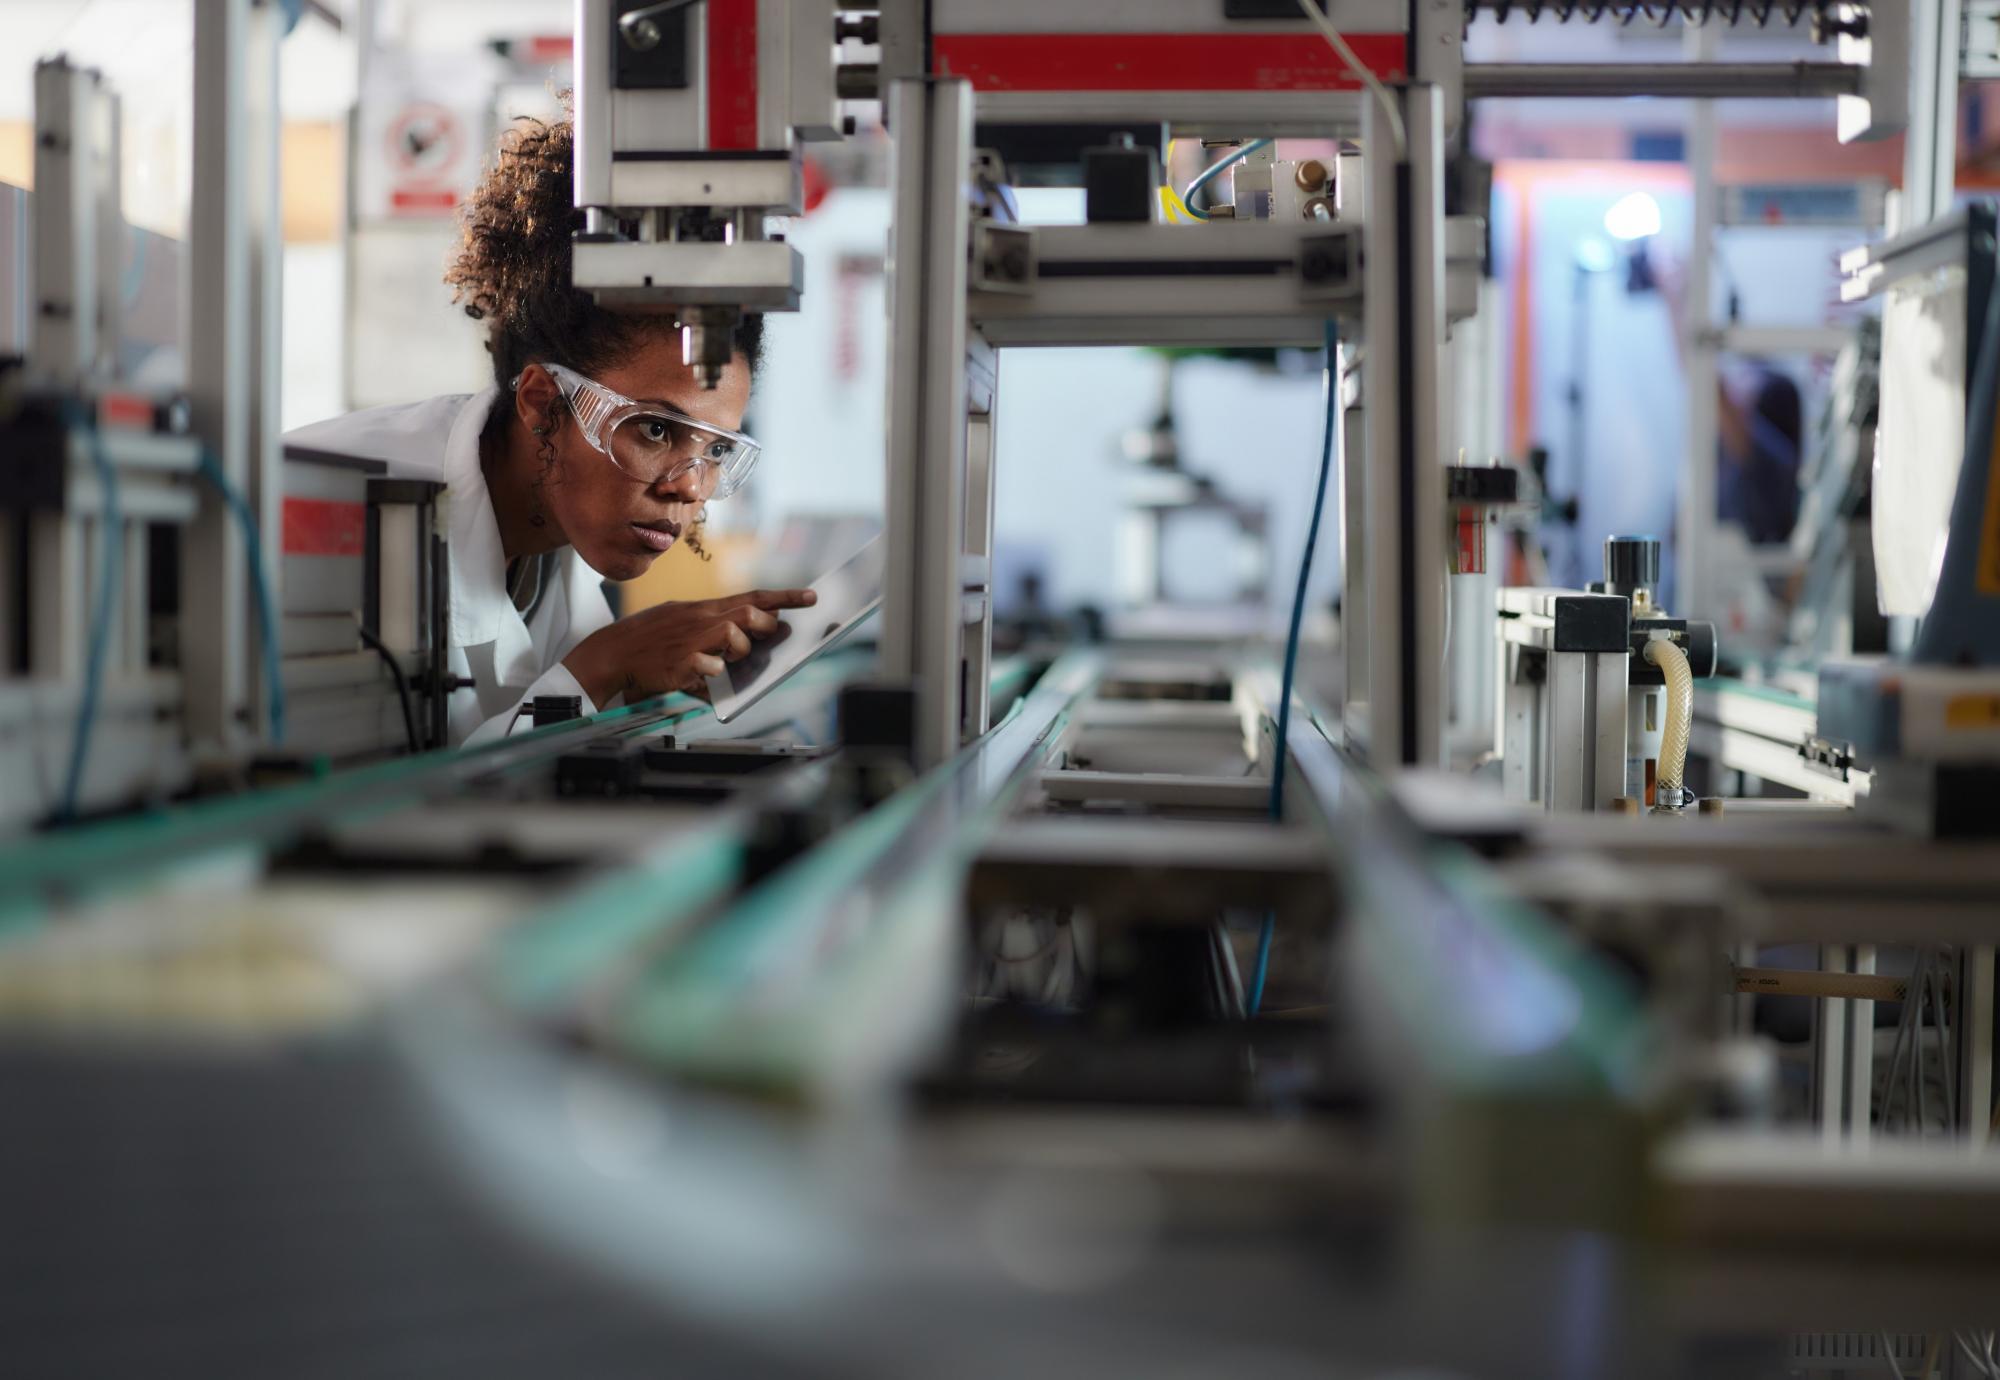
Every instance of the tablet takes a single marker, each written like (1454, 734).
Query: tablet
(848, 594)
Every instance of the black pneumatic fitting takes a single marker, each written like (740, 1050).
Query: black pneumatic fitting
(1631, 563)
(1701, 646)
(1120, 183)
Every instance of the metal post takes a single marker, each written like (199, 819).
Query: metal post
(1830, 1047)
(133, 598)
(1612, 676)
(1861, 1054)
(227, 382)
(1930, 150)
(58, 618)
(978, 621)
(1404, 327)
(108, 192)
(1354, 602)
(1692, 594)
(922, 614)
(65, 340)
(1472, 634)
(263, 484)
(1584, 713)
(11, 590)
(1517, 730)
(1975, 1041)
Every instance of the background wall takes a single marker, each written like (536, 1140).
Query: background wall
(1549, 224)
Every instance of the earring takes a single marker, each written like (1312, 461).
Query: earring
(538, 431)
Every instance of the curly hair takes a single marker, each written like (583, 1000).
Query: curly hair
(512, 268)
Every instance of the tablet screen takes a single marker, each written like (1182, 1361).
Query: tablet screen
(848, 594)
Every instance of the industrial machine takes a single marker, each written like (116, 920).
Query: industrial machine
(1596, 698)
(949, 1012)
(139, 586)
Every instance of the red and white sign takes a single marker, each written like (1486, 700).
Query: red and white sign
(417, 156)
(425, 147)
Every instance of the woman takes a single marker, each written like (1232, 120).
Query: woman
(591, 454)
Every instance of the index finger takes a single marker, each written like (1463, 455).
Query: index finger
(759, 598)
(782, 598)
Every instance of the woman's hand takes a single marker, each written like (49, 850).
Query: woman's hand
(677, 646)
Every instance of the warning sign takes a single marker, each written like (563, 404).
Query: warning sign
(426, 145)
(416, 157)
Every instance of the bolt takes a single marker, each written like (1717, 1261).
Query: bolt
(1826, 27)
(1014, 264)
(643, 36)
(866, 28)
(1311, 175)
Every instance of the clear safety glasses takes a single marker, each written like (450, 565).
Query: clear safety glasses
(653, 444)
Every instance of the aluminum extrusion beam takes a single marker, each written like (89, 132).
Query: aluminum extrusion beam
(1404, 315)
(1674, 80)
(922, 614)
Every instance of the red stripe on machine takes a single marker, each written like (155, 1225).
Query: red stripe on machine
(732, 74)
(125, 409)
(1162, 62)
(322, 527)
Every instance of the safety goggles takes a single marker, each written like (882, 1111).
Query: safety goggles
(653, 444)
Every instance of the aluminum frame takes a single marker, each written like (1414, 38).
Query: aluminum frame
(1404, 326)
(926, 424)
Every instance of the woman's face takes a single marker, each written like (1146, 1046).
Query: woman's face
(617, 524)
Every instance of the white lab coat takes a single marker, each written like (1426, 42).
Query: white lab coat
(509, 660)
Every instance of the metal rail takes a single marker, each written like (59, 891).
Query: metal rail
(1676, 80)
(1823, 14)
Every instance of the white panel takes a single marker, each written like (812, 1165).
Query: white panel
(405, 340)
(1922, 436)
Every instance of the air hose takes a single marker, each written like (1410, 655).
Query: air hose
(1673, 663)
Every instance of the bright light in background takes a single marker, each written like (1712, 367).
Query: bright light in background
(1633, 217)
(1594, 256)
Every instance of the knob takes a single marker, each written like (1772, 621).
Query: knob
(1631, 563)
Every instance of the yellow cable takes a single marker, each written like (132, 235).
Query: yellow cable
(1173, 200)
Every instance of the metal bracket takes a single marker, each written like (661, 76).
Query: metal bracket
(1827, 756)
(1003, 259)
(1330, 266)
